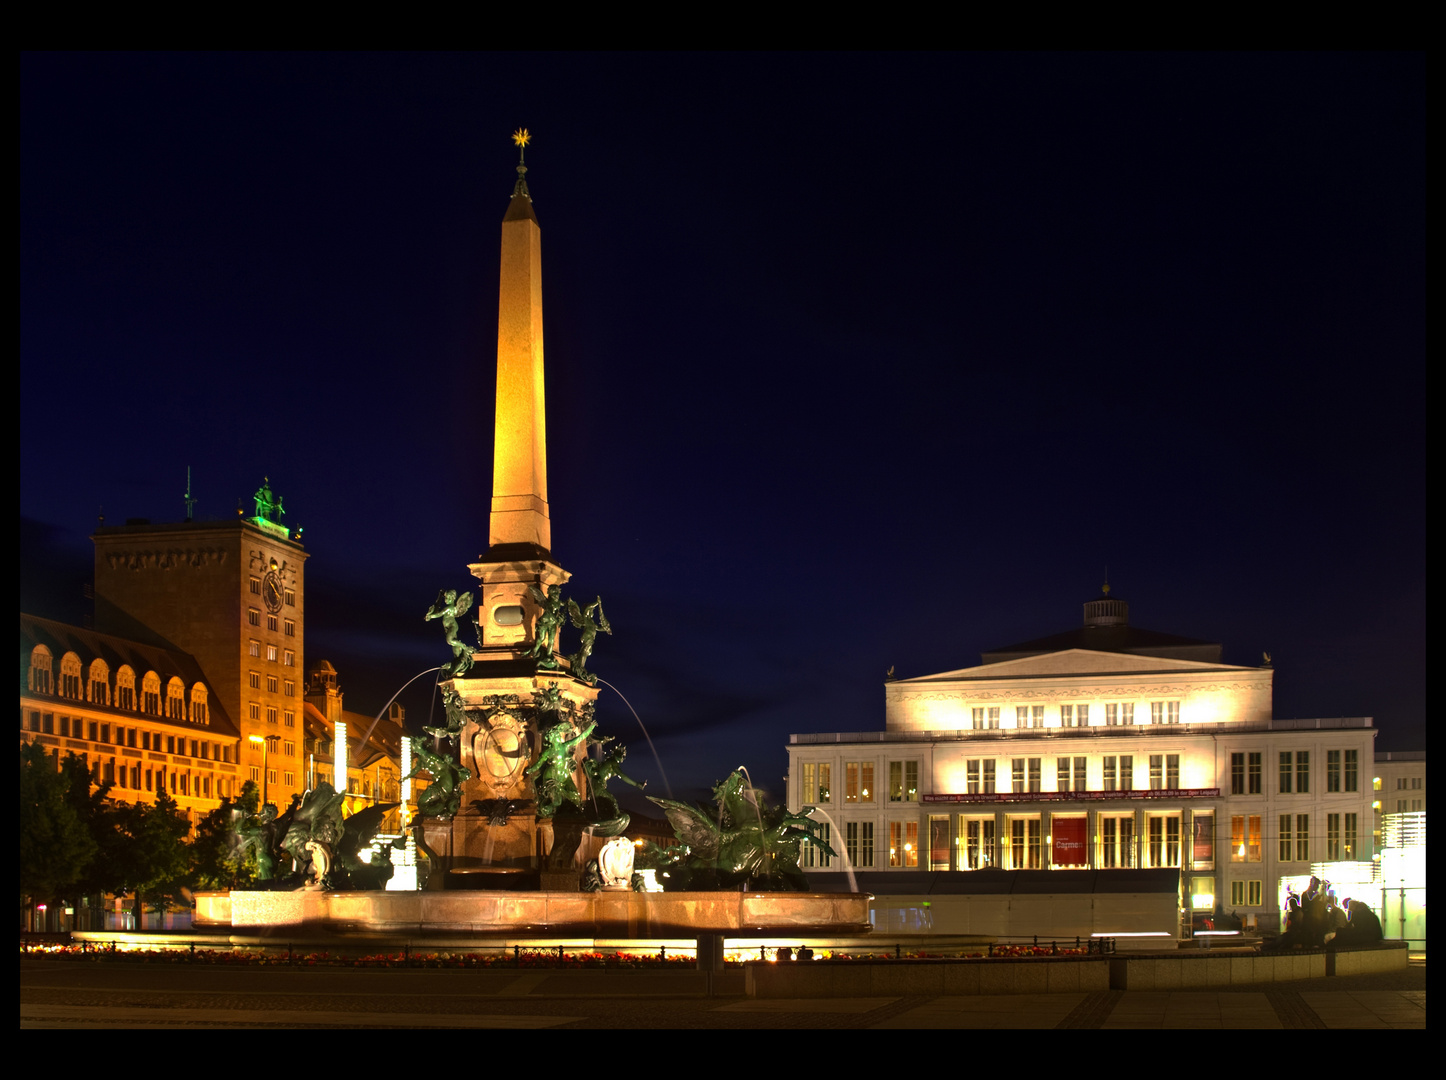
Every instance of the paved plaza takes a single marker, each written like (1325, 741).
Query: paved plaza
(71, 994)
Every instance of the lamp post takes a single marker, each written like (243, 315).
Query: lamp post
(265, 776)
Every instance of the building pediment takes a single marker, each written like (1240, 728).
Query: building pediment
(1069, 662)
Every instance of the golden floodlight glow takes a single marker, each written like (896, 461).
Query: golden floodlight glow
(257, 739)
(521, 138)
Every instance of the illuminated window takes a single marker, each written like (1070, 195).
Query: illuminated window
(1237, 894)
(978, 843)
(1120, 715)
(903, 843)
(125, 688)
(1254, 852)
(271, 652)
(254, 648)
(1127, 772)
(810, 783)
(1117, 841)
(1018, 777)
(866, 781)
(253, 617)
(1157, 772)
(290, 660)
(851, 781)
(1110, 772)
(903, 781)
(1066, 716)
(70, 676)
(1163, 840)
(986, 718)
(99, 689)
(151, 693)
(199, 705)
(40, 669)
(1034, 774)
(971, 774)
(825, 786)
(1063, 780)
(1237, 838)
(1172, 771)
(1164, 712)
(1025, 843)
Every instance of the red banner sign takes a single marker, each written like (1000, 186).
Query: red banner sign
(1076, 796)
(1070, 835)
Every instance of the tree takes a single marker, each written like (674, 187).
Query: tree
(152, 857)
(56, 846)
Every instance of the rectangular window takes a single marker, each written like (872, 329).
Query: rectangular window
(1287, 772)
(979, 843)
(254, 773)
(1302, 837)
(1036, 716)
(1352, 775)
(851, 781)
(1333, 771)
(271, 776)
(1202, 854)
(866, 845)
(1237, 838)
(1066, 716)
(1018, 775)
(1254, 852)
(989, 764)
(253, 617)
(1237, 774)
(253, 710)
(971, 774)
(1172, 771)
(271, 652)
(290, 597)
(1237, 894)
(1061, 774)
(1112, 716)
(288, 748)
(825, 781)
(1255, 764)
(1110, 766)
(1333, 837)
(271, 622)
(255, 586)
(866, 781)
(1021, 716)
(1127, 714)
(1348, 839)
(1154, 841)
(254, 648)
(271, 714)
(1157, 772)
(271, 684)
(897, 790)
(1302, 772)
(1082, 716)
(1254, 893)
(992, 719)
(1127, 772)
(851, 842)
(289, 660)
(978, 719)
(810, 784)
(1287, 846)
(903, 843)
(1034, 774)
(290, 628)
(289, 688)
(1079, 774)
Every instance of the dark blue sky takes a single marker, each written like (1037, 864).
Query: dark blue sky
(852, 361)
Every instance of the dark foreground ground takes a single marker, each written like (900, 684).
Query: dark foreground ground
(71, 994)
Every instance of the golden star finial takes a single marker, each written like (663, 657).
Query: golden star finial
(521, 138)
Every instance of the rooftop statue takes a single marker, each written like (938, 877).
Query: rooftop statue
(449, 607)
(740, 843)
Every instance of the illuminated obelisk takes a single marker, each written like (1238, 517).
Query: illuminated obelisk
(519, 551)
(513, 687)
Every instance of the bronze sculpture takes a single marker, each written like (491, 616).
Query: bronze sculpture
(582, 618)
(449, 607)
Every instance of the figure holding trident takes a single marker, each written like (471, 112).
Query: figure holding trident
(582, 619)
(447, 607)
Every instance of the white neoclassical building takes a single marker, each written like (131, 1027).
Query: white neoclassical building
(1107, 747)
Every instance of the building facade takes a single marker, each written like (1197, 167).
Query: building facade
(232, 595)
(1107, 747)
(142, 718)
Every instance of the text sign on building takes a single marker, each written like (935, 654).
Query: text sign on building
(1070, 841)
(1076, 796)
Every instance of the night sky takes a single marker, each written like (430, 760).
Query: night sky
(852, 361)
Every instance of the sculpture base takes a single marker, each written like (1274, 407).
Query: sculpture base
(508, 914)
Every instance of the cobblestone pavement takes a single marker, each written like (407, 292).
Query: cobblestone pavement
(69, 994)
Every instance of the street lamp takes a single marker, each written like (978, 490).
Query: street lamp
(265, 773)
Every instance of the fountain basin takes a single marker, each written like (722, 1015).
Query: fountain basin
(501, 913)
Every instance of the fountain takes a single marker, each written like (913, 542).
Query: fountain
(515, 817)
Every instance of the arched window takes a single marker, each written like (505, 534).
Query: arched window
(176, 699)
(99, 692)
(125, 688)
(151, 693)
(40, 669)
(198, 704)
(70, 676)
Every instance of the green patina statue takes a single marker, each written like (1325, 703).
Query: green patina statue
(444, 794)
(609, 766)
(553, 769)
(740, 843)
(549, 622)
(449, 607)
(582, 618)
